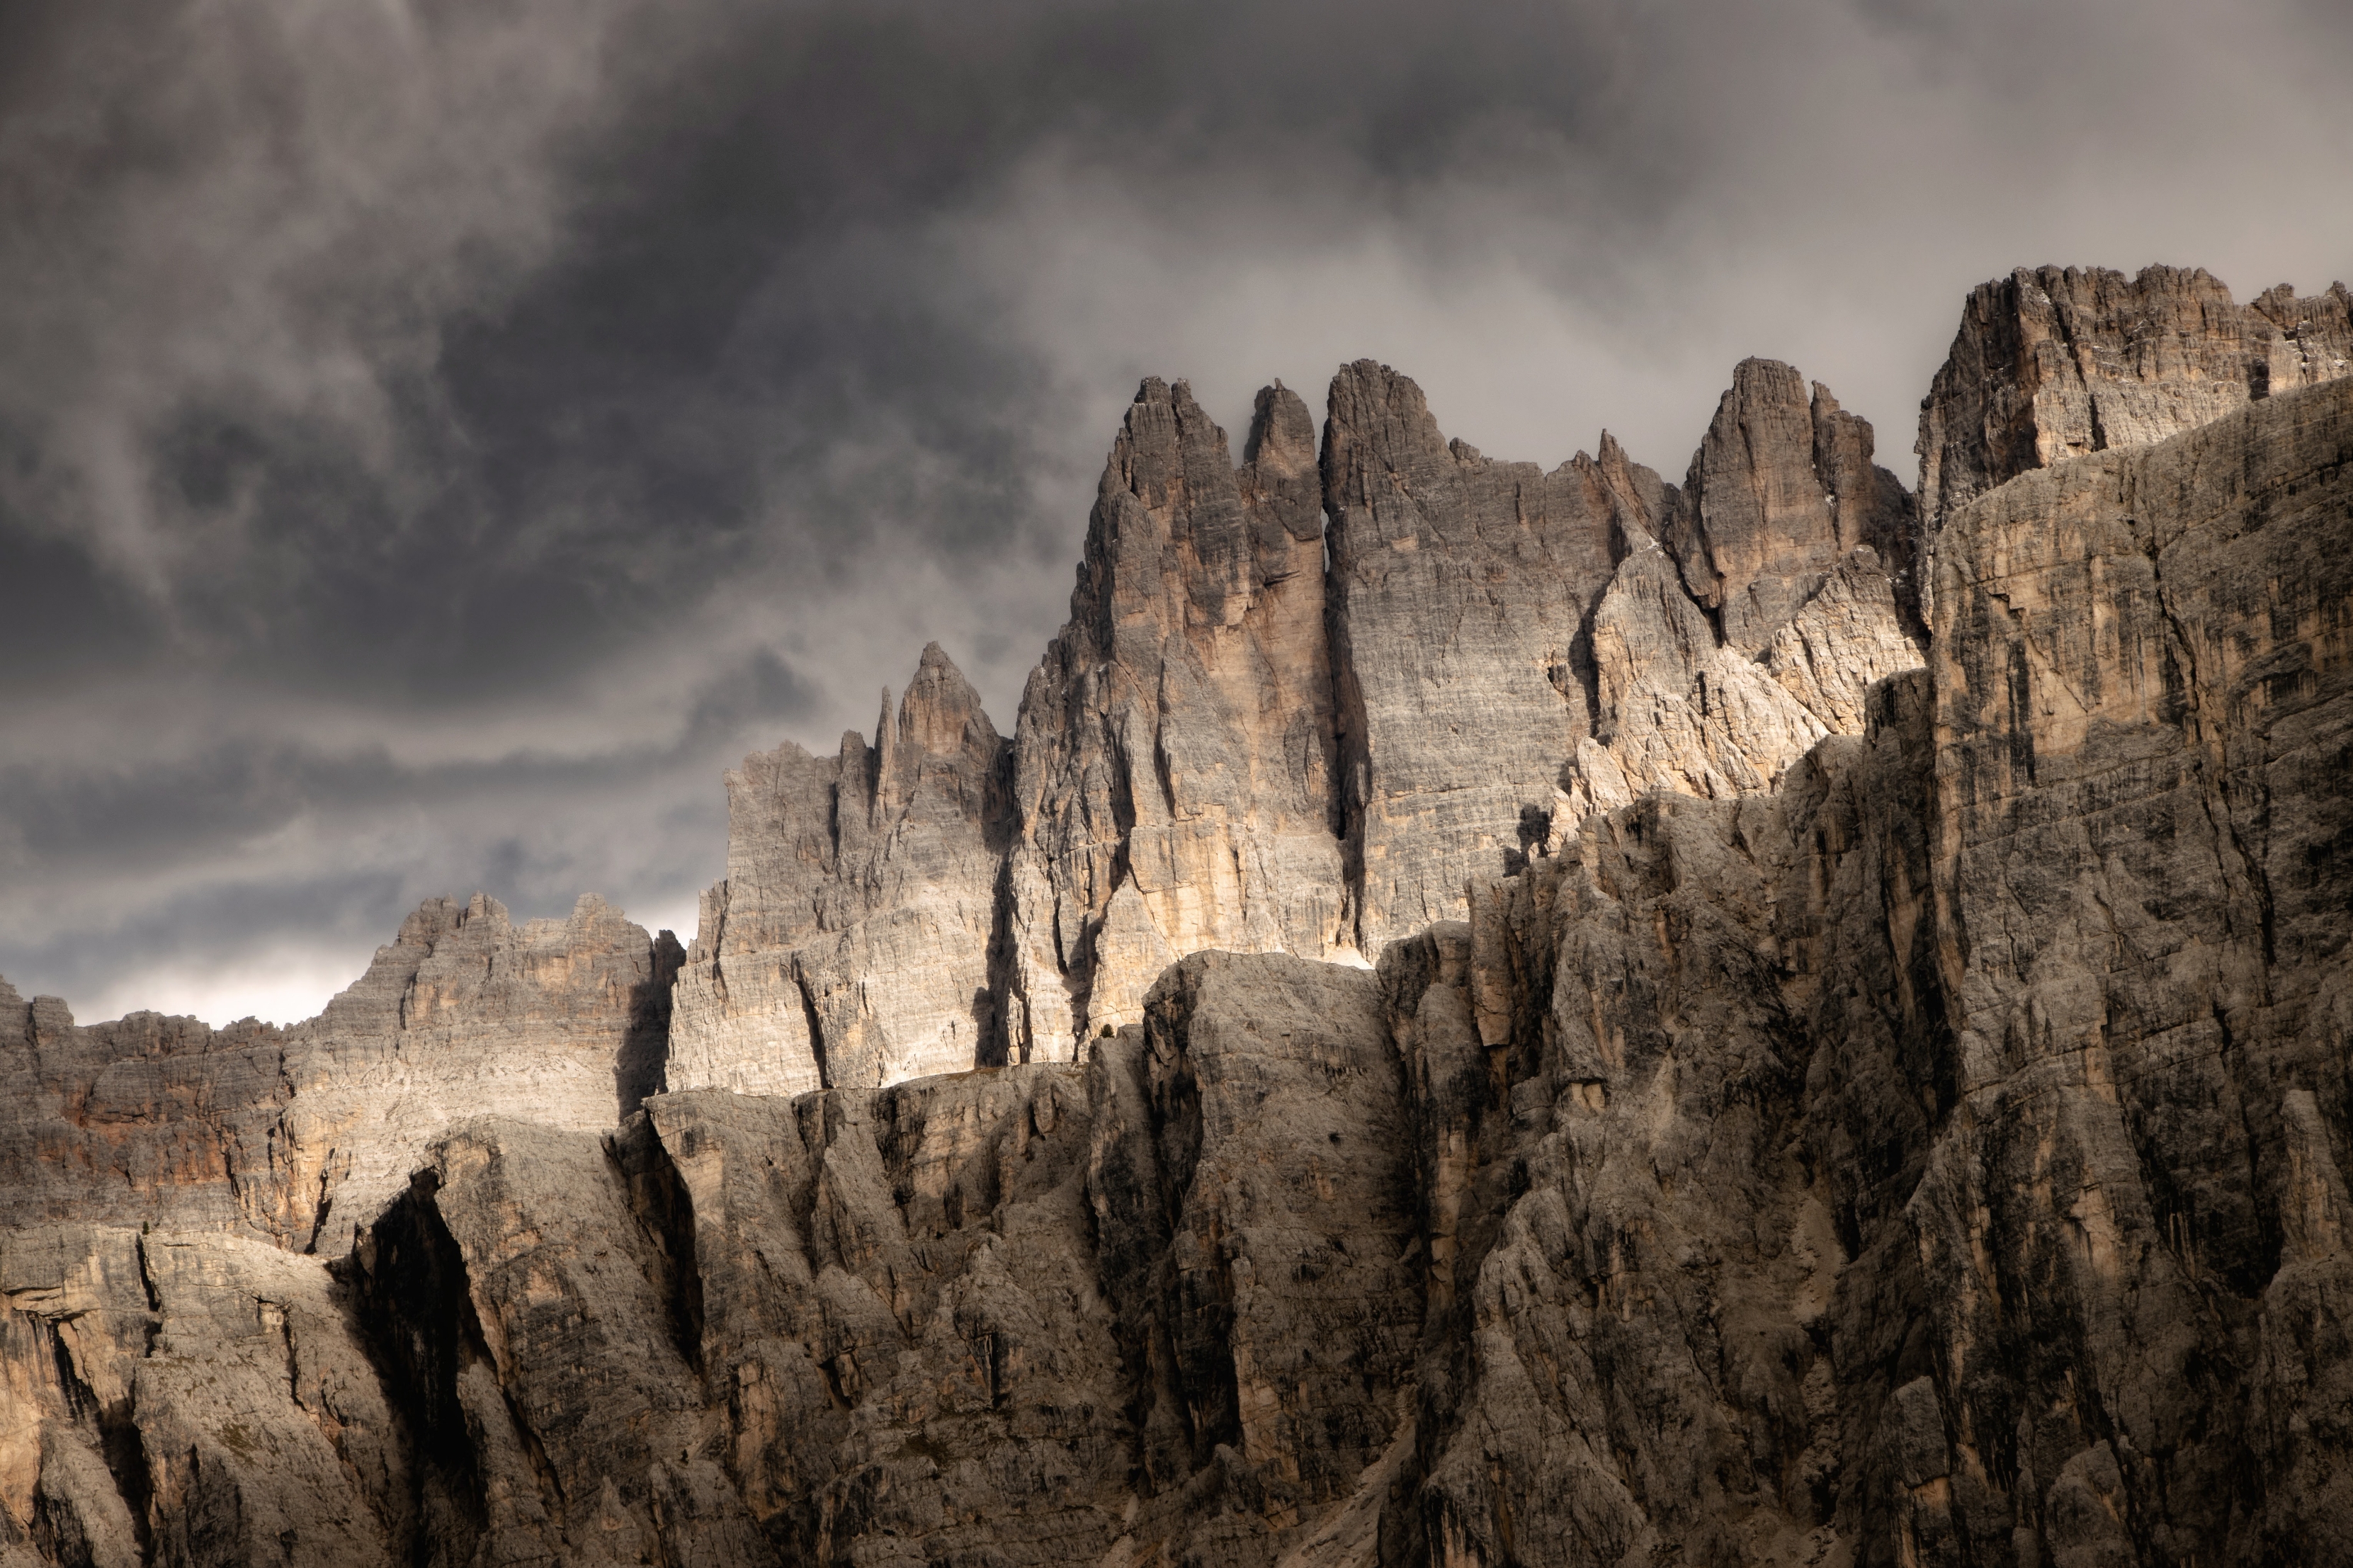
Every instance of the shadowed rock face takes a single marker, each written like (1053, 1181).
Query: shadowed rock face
(1888, 1115)
(2145, 714)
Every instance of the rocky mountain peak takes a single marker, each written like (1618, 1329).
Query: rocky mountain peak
(1281, 486)
(1639, 500)
(1522, 1016)
(2056, 363)
(1762, 528)
(941, 712)
(1281, 441)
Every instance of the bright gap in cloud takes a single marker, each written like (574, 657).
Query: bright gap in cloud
(282, 985)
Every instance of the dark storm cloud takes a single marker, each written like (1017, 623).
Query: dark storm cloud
(435, 438)
(209, 856)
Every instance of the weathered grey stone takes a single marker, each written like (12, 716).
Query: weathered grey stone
(560, 1020)
(1638, 1273)
(1780, 491)
(849, 943)
(1162, 1301)
(1176, 748)
(1888, 1115)
(2144, 711)
(296, 1135)
(1751, 627)
(900, 1317)
(1461, 588)
(2054, 362)
(1181, 772)
(191, 1397)
(543, 1339)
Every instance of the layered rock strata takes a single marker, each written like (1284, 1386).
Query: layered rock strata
(1176, 749)
(849, 943)
(1461, 590)
(1931, 1151)
(1263, 731)
(2052, 363)
(184, 1377)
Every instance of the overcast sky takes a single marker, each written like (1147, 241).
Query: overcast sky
(436, 439)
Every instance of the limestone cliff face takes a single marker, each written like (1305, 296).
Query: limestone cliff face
(1175, 749)
(2144, 670)
(1515, 649)
(1907, 1123)
(849, 943)
(1752, 610)
(1461, 588)
(297, 1135)
(2054, 362)
(1671, 1087)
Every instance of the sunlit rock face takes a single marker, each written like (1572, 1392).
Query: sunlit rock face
(849, 943)
(1301, 704)
(1824, 1085)
(1174, 756)
(2053, 363)
(1751, 611)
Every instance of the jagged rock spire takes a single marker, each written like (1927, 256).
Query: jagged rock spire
(1780, 490)
(851, 941)
(1174, 748)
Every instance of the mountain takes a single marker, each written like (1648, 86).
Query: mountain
(1480, 1016)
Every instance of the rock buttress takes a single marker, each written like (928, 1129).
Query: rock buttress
(1174, 753)
(2144, 666)
(849, 943)
(2052, 363)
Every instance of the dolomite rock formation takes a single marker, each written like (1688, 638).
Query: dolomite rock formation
(1062, 1313)
(296, 1135)
(1781, 489)
(181, 1375)
(1176, 744)
(1751, 611)
(190, 1397)
(1518, 648)
(2057, 363)
(1231, 746)
(565, 1018)
(1461, 589)
(849, 943)
(1926, 1147)
(2144, 666)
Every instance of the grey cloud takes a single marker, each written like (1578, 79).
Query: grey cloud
(477, 425)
